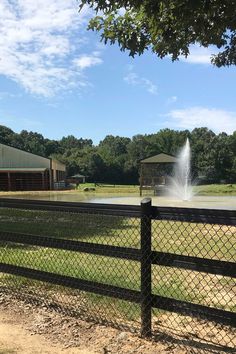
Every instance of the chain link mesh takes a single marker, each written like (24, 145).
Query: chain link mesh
(182, 238)
(216, 242)
(87, 227)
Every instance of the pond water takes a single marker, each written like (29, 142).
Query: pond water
(211, 202)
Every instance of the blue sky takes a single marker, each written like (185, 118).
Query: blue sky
(58, 79)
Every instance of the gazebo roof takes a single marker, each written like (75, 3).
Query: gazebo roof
(160, 158)
(78, 175)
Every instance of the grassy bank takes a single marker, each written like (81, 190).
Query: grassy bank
(86, 188)
(216, 189)
(209, 189)
(109, 188)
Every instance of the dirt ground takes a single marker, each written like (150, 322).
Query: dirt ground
(27, 328)
(16, 339)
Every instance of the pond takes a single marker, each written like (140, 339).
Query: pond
(210, 202)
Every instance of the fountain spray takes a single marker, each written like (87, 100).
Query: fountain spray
(180, 184)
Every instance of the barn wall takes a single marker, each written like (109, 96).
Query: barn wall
(59, 171)
(18, 181)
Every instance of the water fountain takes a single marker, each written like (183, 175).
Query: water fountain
(180, 191)
(180, 184)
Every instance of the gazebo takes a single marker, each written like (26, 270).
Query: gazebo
(154, 170)
(78, 178)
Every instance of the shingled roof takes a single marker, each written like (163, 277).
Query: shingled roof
(160, 158)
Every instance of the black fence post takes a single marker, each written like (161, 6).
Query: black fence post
(146, 268)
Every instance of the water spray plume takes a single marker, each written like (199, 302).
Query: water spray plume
(180, 184)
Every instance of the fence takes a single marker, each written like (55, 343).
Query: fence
(176, 265)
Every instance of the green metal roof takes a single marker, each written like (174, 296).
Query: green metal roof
(160, 158)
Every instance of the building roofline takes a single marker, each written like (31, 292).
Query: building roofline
(22, 169)
(8, 145)
(140, 160)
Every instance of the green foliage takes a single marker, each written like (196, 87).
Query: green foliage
(116, 159)
(6, 135)
(168, 28)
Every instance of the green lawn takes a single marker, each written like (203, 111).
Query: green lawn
(200, 240)
(216, 189)
(109, 188)
(210, 189)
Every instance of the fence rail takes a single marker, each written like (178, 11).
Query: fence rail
(145, 255)
(74, 207)
(198, 264)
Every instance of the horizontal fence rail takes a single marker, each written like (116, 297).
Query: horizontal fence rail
(199, 311)
(70, 245)
(74, 283)
(159, 258)
(73, 207)
(162, 303)
(144, 255)
(198, 264)
(195, 215)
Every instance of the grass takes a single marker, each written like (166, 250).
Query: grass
(216, 189)
(110, 188)
(115, 189)
(210, 189)
(211, 241)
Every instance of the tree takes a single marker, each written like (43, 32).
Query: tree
(51, 147)
(32, 142)
(168, 27)
(113, 146)
(203, 165)
(223, 158)
(70, 142)
(6, 135)
(167, 141)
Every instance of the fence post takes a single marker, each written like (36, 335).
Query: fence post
(146, 268)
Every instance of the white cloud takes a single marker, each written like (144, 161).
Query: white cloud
(199, 55)
(150, 86)
(39, 41)
(172, 99)
(86, 61)
(215, 119)
(134, 79)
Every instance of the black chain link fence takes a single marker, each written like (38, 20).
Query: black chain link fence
(208, 241)
(86, 227)
(123, 271)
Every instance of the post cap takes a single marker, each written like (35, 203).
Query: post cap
(146, 201)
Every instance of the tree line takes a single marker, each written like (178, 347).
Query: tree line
(116, 159)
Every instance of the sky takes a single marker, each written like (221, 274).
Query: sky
(58, 79)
